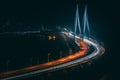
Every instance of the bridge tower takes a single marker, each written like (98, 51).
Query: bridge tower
(85, 25)
(86, 29)
(77, 22)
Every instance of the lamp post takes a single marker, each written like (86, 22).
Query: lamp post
(49, 57)
(38, 61)
(60, 54)
(70, 51)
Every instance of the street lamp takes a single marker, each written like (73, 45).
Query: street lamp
(70, 51)
(38, 61)
(49, 57)
(60, 54)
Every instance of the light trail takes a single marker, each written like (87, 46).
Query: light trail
(60, 63)
(71, 60)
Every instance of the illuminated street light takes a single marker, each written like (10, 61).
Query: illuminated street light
(54, 37)
(49, 37)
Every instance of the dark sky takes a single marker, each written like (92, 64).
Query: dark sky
(103, 15)
(103, 18)
(56, 12)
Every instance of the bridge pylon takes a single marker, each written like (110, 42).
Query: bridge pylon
(85, 24)
(77, 22)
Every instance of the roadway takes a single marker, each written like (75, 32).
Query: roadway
(71, 60)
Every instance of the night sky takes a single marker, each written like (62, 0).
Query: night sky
(102, 15)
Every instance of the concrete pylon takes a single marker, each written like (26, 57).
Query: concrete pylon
(77, 21)
(85, 23)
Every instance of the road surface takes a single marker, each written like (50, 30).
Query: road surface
(71, 60)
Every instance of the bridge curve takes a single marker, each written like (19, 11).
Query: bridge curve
(71, 60)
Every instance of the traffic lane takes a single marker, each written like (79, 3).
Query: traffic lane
(52, 63)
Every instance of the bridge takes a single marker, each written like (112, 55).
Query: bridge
(83, 40)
